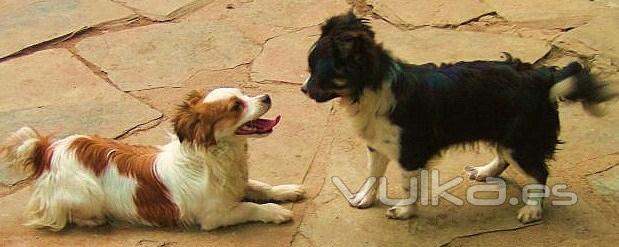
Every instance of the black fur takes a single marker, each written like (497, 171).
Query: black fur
(505, 103)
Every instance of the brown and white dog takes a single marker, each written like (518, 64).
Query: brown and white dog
(199, 177)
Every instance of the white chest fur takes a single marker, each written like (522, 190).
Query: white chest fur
(370, 120)
(202, 181)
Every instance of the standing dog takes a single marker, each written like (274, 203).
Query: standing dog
(200, 177)
(409, 113)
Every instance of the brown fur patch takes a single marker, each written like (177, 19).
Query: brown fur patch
(152, 198)
(43, 156)
(197, 122)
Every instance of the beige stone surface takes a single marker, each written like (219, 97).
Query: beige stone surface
(24, 23)
(429, 13)
(261, 46)
(163, 10)
(547, 14)
(284, 58)
(587, 137)
(263, 19)
(74, 101)
(598, 37)
(167, 54)
(435, 45)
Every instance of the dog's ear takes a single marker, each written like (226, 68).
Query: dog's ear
(191, 123)
(351, 45)
(352, 37)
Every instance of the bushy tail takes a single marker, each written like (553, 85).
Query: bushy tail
(576, 83)
(24, 154)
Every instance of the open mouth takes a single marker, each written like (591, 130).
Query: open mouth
(258, 126)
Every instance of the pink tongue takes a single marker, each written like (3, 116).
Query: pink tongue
(266, 124)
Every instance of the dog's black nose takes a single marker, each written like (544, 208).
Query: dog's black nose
(266, 99)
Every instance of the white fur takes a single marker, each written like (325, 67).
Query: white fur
(119, 191)
(254, 107)
(562, 88)
(533, 210)
(69, 190)
(370, 120)
(207, 186)
(16, 165)
(492, 169)
(568, 86)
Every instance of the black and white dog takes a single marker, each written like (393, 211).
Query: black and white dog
(409, 113)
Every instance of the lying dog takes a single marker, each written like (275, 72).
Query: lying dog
(200, 177)
(410, 113)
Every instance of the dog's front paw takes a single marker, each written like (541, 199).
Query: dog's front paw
(275, 213)
(530, 213)
(363, 199)
(287, 192)
(402, 212)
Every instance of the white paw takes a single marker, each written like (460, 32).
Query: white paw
(363, 199)
(479, 173)
(275, 213)
(530, 213)
(400, 212)
(287, 192)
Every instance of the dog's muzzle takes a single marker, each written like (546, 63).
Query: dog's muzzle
(317, 94)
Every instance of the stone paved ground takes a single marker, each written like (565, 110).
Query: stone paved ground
(117, 68)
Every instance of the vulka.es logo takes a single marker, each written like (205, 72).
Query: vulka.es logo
(430, 191)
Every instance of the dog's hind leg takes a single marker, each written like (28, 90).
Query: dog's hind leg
(377, 165)
(534, 167)
(260, 192)
(492, 169)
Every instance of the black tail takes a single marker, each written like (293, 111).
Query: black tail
(576, 83)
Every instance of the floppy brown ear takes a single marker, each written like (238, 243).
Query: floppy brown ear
(194, 97)
(191, 124)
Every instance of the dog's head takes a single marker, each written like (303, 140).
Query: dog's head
(344, 61)
(224, 112)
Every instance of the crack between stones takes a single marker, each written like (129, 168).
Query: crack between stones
(448, 243)
(15, 187)
(84, 32)
(447, 26)
(176, 14)
(151, 124)
(72, 38)
(324, 142)
(253, 59)
(603, 169)
(153, 88)
(134, 10)
(130, 22)
(277, 82)
(97, 71)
